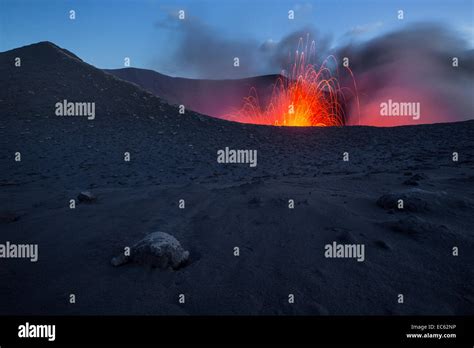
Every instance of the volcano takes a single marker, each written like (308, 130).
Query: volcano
(311, 187)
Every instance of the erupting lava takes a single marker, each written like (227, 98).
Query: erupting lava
(303, 96)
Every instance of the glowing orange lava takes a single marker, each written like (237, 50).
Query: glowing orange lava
(304, 96)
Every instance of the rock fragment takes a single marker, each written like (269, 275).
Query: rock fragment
(157, 250)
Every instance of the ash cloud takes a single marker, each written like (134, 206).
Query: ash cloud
(199, 51)
(282, 53)
(413, 65)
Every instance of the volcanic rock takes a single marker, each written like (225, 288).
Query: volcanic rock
(158, 250)
(86, 197)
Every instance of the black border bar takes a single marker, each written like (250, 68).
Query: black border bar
(139, 330)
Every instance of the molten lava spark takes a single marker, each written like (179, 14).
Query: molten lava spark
(305, 96)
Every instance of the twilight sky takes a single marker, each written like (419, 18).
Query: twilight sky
(215, 31)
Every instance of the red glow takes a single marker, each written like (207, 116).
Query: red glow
(305, 96)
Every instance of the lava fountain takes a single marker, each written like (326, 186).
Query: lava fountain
(303, 96)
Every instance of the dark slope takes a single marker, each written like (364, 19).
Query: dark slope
(49, 74)
(210, 97)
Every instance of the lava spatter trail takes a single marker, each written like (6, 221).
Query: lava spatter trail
(303, 96)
